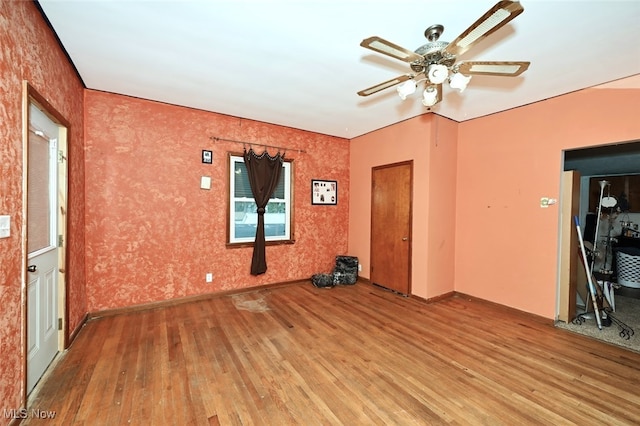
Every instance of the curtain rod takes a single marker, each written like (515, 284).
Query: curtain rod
(279, 148)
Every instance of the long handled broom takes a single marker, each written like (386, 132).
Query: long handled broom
(585, 262)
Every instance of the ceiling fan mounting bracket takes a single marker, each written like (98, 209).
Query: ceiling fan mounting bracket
(434, 32)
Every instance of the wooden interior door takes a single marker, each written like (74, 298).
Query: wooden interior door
(391, 214)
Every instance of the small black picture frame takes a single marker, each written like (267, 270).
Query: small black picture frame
(207, 156)
(324, 192)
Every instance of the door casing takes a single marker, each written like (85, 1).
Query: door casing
(31, 96)
(568, 262)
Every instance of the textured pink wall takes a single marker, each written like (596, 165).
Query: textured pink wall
(430, 141)
(30, 52)
(506, 245)
(153, 234)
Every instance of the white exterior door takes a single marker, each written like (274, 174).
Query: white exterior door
(42, 247)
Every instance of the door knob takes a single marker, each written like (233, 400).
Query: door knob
(32, 268)
(405, 238)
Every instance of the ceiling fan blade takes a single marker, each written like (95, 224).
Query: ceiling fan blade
(503, 68)
(385, 47)
(497, 17)
(378, 87)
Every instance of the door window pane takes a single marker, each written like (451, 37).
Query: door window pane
(38, 195)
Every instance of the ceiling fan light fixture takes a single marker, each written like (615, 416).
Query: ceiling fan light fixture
(430, 96)
(436, 62)
(407, 88)
(437, 73)
(459, 81)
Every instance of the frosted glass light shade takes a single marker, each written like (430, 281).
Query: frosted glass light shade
(407, 88)
(438, 74)
(459, 81)
(429, 96)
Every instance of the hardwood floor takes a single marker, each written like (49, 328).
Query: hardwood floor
(354, 355)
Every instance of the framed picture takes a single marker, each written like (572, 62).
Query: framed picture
(207, 157)
(324, 192)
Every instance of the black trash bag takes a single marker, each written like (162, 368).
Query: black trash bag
(322, 280)
(346, 270)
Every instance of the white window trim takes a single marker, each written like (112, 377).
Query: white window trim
(288, 197)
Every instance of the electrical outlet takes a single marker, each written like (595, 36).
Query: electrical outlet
(209, 277)
(360, 267)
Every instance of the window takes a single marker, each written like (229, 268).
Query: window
(243, 218)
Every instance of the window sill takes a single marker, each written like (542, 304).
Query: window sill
(267, 243)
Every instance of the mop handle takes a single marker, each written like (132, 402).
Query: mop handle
(592, 289)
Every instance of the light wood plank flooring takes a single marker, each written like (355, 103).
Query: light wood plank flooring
(352, 355)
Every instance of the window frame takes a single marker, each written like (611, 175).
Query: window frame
(288, 238)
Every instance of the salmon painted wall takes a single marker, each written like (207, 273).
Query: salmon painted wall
(443, 156)
(153, 234)
(430, 141)
(506, 245)
(30, 52)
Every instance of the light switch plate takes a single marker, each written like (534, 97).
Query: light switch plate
(5, 226)
(205, 182)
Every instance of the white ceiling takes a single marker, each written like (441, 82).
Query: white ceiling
(298, 63)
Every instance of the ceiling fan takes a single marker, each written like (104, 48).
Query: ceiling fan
(435, 62)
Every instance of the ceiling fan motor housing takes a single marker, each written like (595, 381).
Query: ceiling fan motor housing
(433, 54)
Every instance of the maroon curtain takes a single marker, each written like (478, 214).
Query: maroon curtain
(264, 173)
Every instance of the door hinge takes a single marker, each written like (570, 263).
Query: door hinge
(60, 156)
(59, 323)
(60, 240)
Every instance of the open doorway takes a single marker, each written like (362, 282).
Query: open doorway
(601, 186)
(45, 185)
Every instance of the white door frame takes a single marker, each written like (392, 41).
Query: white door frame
(31, 96)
